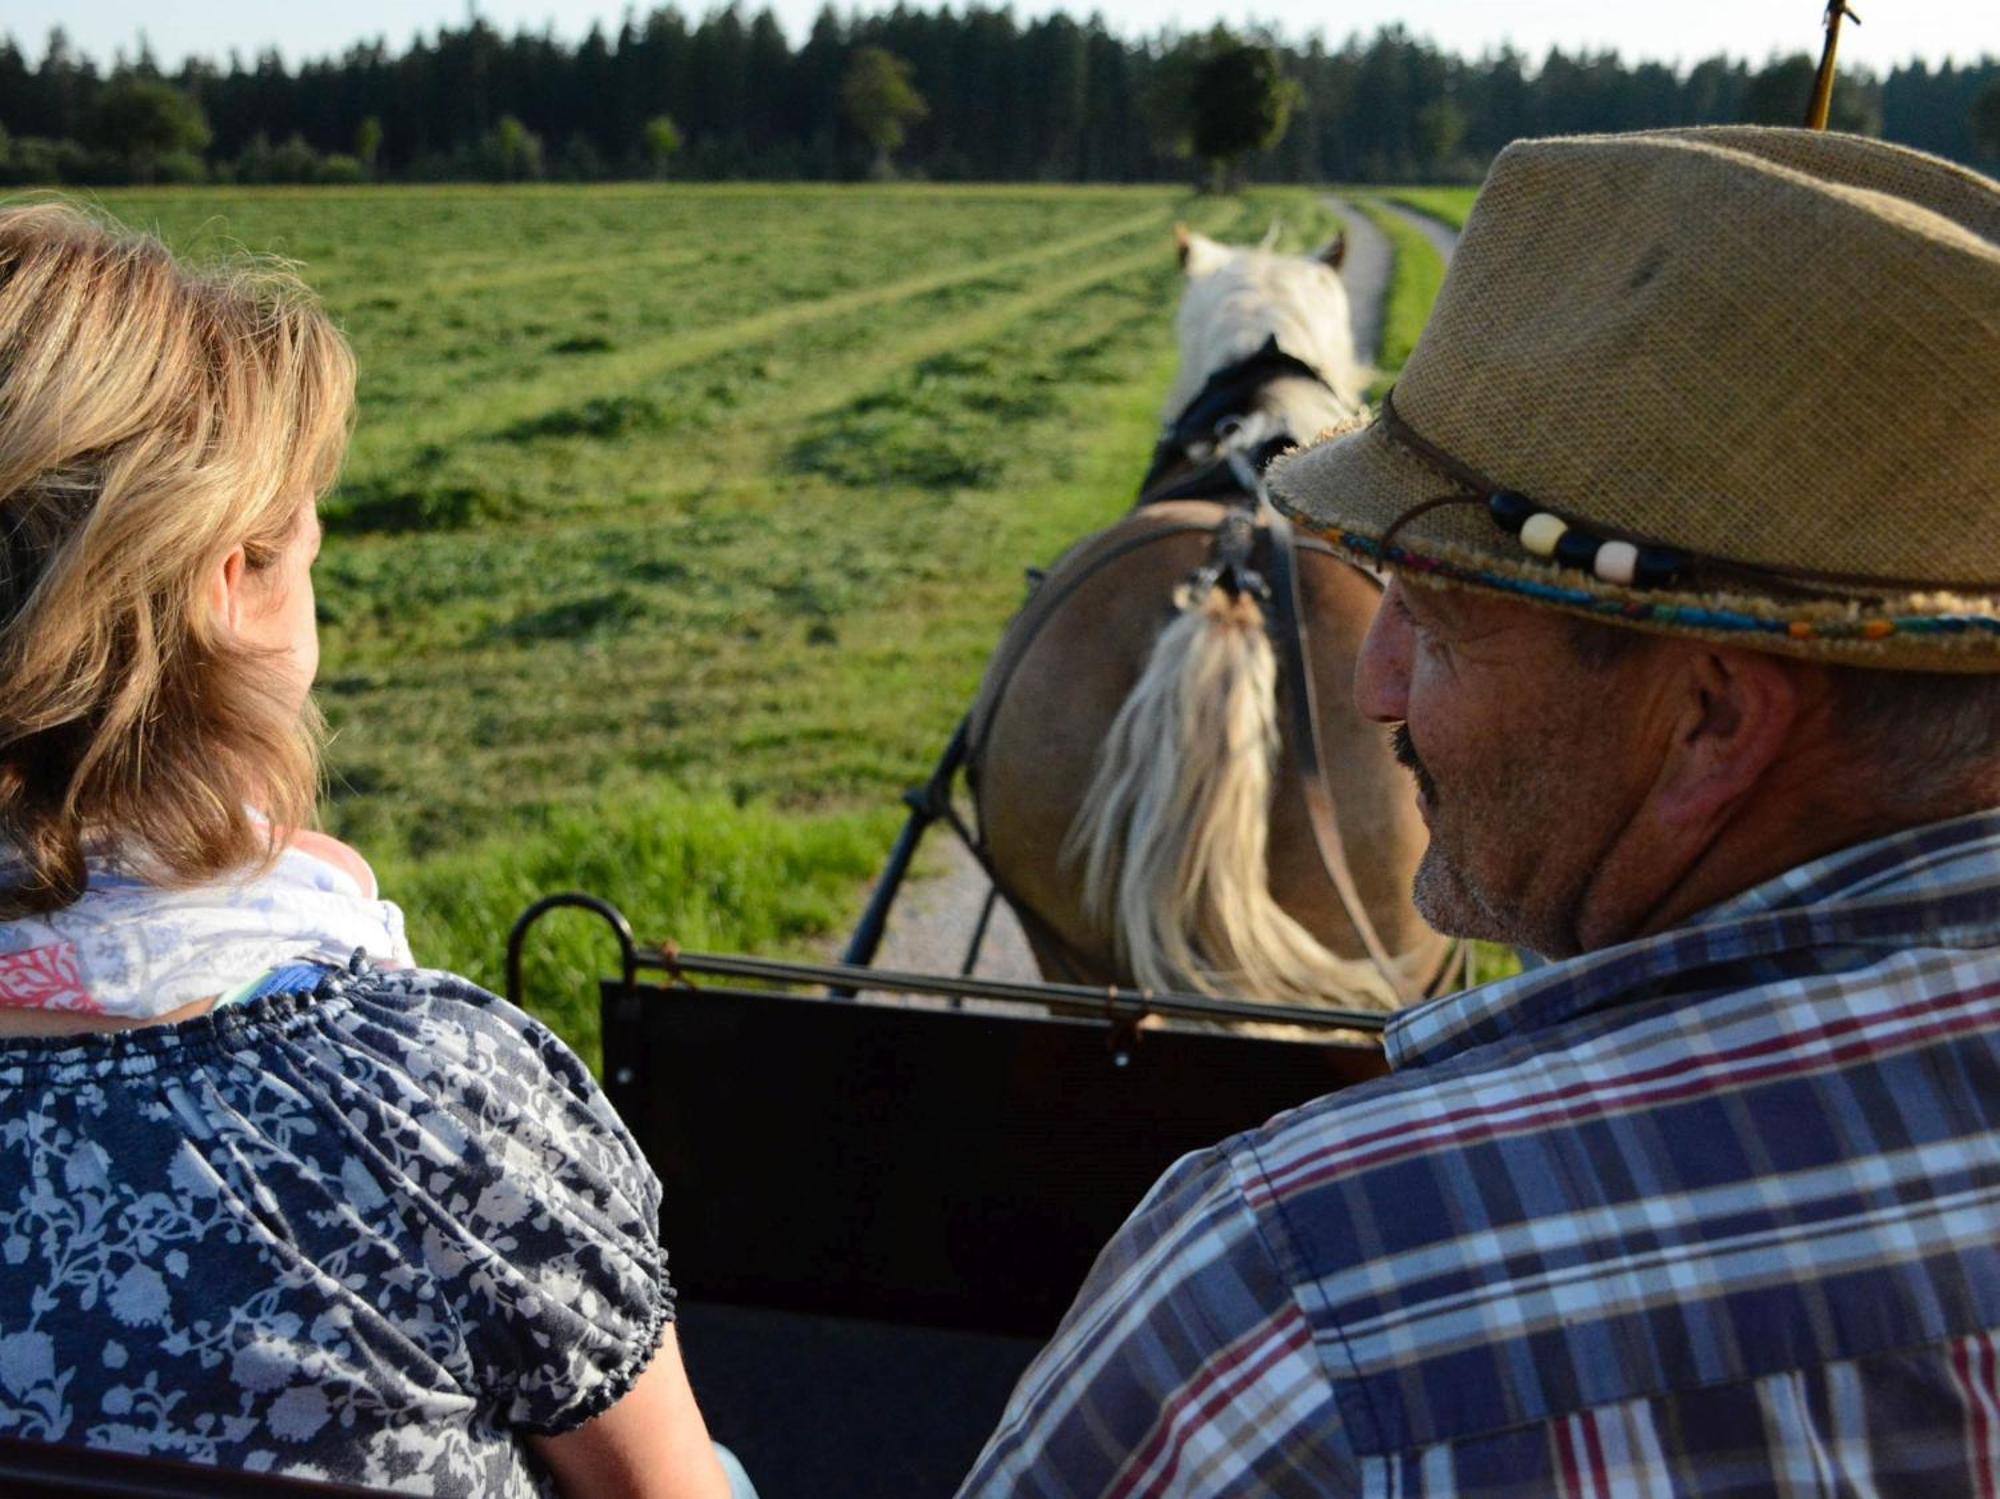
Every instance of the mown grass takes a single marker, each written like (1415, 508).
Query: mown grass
(1448, 205)
(680, 521)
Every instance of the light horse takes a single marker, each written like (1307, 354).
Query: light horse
(1156, 752)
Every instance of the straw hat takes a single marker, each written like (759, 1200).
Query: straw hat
(1737, 383)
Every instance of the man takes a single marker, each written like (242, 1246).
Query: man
(1691, 500)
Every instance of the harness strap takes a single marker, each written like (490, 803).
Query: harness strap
(1210, 480)
(1226, 394)
(1042, 603)
(1204, 428)
(1291, 631)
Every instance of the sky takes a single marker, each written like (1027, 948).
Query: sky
(1682, 31)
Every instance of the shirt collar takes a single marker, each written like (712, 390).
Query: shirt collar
(1934, 885)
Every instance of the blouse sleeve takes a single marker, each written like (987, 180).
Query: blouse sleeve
(544, 1230)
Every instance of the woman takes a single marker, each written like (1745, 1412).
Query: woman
(270, 1197)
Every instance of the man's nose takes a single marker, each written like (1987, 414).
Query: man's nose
(1382, 671)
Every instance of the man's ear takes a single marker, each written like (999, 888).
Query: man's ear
(225, 590)
(1736, 713)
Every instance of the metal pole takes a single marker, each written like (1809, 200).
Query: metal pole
(1822, 94)
(867, 938)
(1074, 999)
(927, 804)
(979, 932)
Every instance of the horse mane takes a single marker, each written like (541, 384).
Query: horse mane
(1228, 312)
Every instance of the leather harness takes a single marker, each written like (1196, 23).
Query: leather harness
(1208, 452)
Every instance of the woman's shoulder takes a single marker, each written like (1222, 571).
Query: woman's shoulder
(393, 1182)
(425, 1023)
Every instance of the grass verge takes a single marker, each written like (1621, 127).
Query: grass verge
(1416, 273)
(709, 872)
(1448, 205)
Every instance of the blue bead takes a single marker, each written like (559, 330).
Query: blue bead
(1577, 549)
(1510, 510)
(1657, 567)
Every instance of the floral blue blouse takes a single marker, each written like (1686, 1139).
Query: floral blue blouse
(372, 1232)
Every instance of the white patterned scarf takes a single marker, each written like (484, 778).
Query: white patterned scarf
(133, 950)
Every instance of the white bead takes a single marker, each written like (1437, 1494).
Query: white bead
(1617, 562)
(1541, 531)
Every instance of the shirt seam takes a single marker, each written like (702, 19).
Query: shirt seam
(1287, 1265)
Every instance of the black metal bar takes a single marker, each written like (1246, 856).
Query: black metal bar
(979, 932)
(628, 959)
(867, 938)
(1081, 999)
(927, 803)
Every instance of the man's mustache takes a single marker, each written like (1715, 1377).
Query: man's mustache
(1405, 750)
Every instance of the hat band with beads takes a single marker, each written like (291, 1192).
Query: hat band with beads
(1625, 561)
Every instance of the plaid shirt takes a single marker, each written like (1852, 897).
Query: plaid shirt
(1713, 1212)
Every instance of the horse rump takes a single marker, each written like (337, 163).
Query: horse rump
(1173, 832)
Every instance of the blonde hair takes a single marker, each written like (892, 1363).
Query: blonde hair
(153, 418)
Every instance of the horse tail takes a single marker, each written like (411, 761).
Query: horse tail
(1174, 828)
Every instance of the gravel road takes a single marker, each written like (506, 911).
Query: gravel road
(1365, 273)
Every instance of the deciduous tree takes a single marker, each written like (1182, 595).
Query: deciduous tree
(1242, 103)
(661, 140)
(368, 143)
(145, 122)
(881, 102)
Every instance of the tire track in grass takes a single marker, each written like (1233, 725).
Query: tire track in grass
(629, 671)
(844, 381)
(711, 669)
(602, 266)
(838, 380)
(966, 334)
(616, 372)
(632, 671)
(772, 427)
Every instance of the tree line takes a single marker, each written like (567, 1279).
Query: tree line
(973, 94)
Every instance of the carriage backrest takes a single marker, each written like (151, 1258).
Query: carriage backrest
(877, 1214)
(932, 1167)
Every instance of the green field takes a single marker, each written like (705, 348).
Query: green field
(680, 520)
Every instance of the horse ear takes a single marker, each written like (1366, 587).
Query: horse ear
(1199, 254)
(1333, 252)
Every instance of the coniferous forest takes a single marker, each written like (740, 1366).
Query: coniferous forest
(997, 98)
